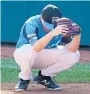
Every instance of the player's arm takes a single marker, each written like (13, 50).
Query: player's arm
(42, 43)
(74, 44)
(31, 36)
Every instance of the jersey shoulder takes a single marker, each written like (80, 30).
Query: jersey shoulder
(34, 20)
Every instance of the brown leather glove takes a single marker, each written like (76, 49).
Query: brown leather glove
(74, 29)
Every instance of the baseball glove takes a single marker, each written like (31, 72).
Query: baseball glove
(74, 29)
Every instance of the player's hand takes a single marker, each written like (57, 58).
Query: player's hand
(60, 29)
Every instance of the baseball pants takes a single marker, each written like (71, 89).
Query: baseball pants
(49, 61)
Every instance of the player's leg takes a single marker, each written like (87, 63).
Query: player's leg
(52, 61)
(49, 57)
(24, 57)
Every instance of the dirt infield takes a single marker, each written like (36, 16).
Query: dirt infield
(68, 88)
(7, 52)
(75, 88)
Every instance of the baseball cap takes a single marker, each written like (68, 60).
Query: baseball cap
(48, 13)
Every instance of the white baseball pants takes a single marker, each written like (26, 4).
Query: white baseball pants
(50, 61)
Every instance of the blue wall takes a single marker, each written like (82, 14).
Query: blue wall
(15, 13)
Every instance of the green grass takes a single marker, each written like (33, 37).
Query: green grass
(78, 73)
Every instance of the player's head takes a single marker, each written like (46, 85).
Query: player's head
(47, 14)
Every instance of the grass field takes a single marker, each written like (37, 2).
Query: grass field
(78, 73)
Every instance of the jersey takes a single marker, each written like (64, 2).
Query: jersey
(32, 31)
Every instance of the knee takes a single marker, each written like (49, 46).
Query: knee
(76, 56)
(24, 54)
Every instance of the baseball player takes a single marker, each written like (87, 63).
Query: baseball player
(39, 47)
